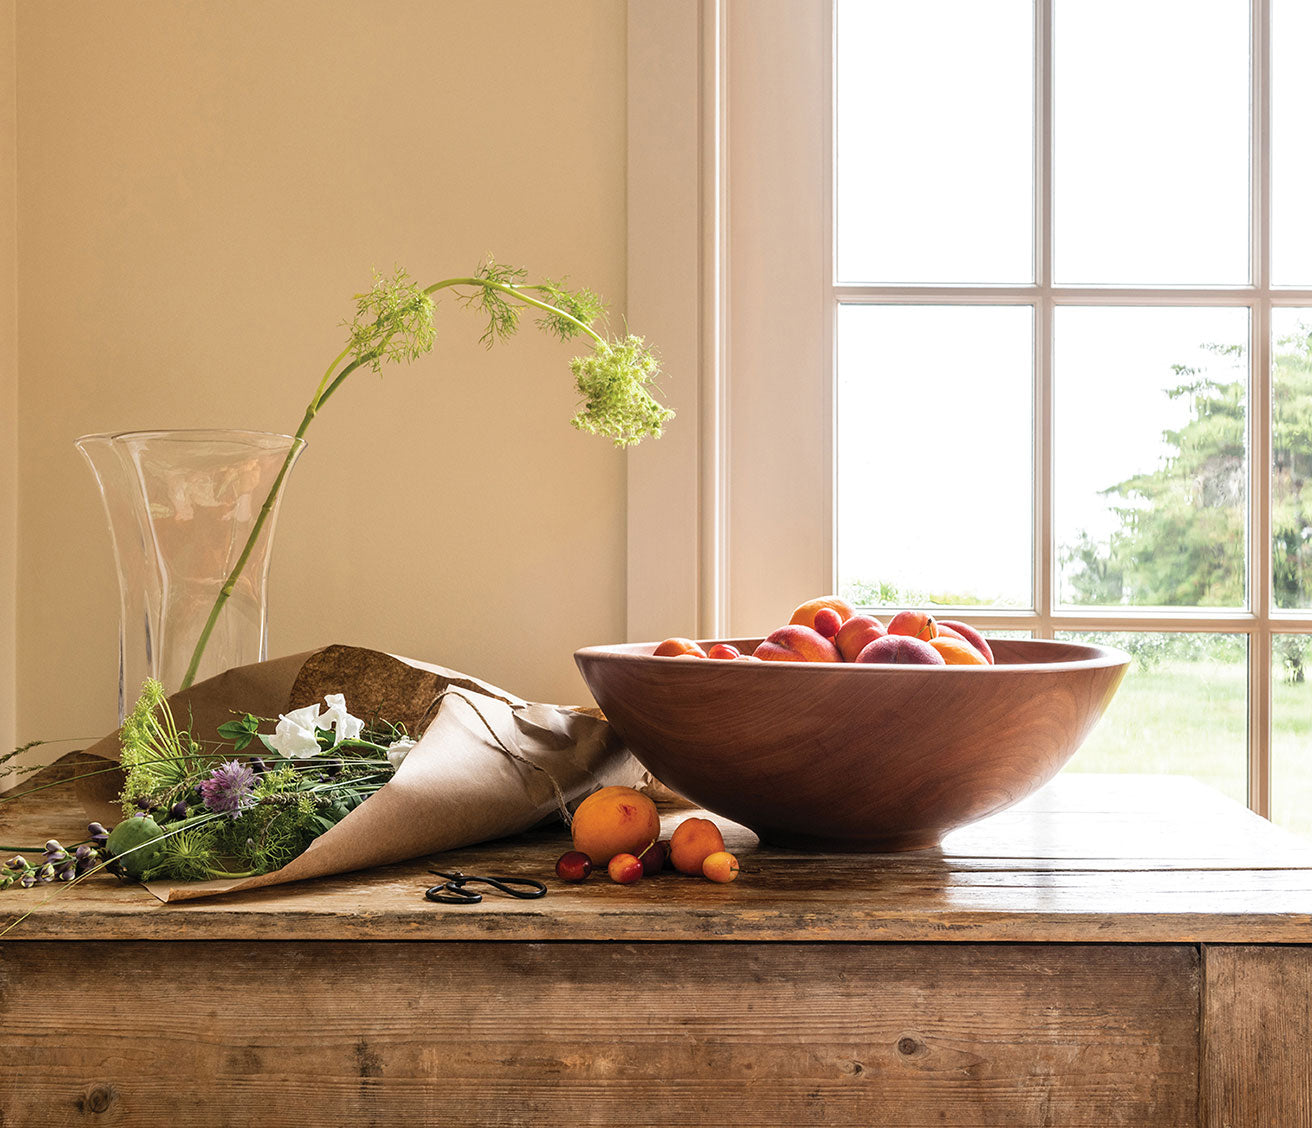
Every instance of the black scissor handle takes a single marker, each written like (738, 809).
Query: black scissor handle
(453, 891)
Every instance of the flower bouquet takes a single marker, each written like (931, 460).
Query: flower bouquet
(401, 759)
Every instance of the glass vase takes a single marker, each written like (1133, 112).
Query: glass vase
(186, 510)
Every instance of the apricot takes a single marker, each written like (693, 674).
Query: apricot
(724, 650)
(693, 841)
(720, 867)
(957, 651)
(614, 820)
(804, 615)
(971, 635)
(914, 624)
(678, 647)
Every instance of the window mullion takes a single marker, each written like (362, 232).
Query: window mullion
(1259, 419)
(1044, 564)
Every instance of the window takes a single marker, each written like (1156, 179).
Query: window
(1072, 313)
(1016, 313)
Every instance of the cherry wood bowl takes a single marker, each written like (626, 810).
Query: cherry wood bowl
(854, 758)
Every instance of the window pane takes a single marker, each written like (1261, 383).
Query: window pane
(935, 454)
(935, 137)
(1182, 709)
(1291, 157)
(1150, 456)
(1291, 732)
(1150, 142)
(1291, 453)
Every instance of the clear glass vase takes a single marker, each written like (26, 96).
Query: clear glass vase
(182, 509)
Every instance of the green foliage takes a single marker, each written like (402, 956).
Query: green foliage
(393, 322)
(880, 593)
(158, 758)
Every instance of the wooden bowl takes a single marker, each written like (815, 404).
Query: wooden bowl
(858, 758)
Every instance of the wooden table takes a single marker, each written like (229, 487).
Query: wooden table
(1131, 950)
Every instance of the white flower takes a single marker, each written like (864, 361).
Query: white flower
(335, 717)
(398, 750)
(295, 734)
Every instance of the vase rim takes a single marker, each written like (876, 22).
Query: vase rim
(192, 434)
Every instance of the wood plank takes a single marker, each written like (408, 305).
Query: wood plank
(1047, 889)
(1257, 1012)
(510, 1034)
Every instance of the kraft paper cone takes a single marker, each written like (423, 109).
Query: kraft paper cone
(487, 764)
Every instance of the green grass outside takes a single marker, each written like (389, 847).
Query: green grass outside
(1191, 718)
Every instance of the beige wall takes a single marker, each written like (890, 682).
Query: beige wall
(8, 378)
(201, 188)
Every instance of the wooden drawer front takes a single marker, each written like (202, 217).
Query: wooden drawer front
(291, 1034)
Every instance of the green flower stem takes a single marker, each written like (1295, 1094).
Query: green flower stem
(327, 386)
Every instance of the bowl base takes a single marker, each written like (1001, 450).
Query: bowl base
(819, 844)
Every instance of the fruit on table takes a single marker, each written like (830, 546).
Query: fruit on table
(856, 634)
(614, 820)
(971, 635)
(804, 614)
(957, 651)
(653, 858)
(901, 650)
(796, 643)
(679, 647)
(693, 841)
(915, 624)
(624, 869)
(724, 650)
(720, 867)
(573, 866)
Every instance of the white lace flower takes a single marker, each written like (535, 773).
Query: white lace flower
(295, 735)
(398, 750)
(335, 717)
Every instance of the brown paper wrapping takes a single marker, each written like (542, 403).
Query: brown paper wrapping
(457, 786)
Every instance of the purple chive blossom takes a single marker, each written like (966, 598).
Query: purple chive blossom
(230, 787)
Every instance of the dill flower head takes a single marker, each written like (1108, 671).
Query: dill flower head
(231, 787)
(613, 382)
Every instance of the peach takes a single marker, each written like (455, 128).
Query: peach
(827, 622)
(693, 841)
(856, 634)
(678, 647)
(971, 635)
(614, 820)
(724, 650)
(624, 869)
(914, 624)
(900, 649)
(804, 614)
(797, 644)
(721, 867)
(957, 651)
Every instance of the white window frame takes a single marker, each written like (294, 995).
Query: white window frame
(732, 516)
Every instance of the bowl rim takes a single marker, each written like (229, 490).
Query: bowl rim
(1099, 657)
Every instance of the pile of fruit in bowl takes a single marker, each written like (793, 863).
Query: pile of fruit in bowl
(827, 629)
(853, 735)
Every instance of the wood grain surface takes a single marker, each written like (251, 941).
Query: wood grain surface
(1087, 858)
(836, 756)
(310, 1034)
(1257, 1036)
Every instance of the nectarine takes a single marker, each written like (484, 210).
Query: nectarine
(914, 624)
(797, 644)
(898, 649)
(856, 634)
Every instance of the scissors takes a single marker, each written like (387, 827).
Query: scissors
(453, 891)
